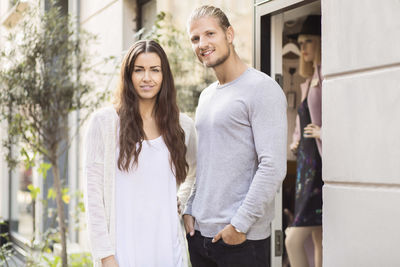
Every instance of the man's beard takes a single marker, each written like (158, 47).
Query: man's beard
(219, 61)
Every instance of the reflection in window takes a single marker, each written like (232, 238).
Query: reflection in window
(147, 13)
(13, 3)
(22, 206)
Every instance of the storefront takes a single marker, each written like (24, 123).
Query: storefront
(360, 94)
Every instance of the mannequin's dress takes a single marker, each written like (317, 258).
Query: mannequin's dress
(308, 203)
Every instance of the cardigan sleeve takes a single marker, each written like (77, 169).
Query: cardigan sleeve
(185, 188)
(99, 236)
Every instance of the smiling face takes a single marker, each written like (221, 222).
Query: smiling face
(308, 46)
(147, 76)
(210, 42)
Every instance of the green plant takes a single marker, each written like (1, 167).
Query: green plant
(43, 78)
(6, 249)
(81, 260)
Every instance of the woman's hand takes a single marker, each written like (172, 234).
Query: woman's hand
(110, 261)
(294, 146)
(312, 131)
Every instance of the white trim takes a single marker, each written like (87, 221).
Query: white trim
(276, 68)
(275, 5)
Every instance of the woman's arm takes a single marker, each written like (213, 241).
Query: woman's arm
(186, 188)
(94, 173)
(110, 261)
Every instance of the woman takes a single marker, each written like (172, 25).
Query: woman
(307, 143)
(137, 154)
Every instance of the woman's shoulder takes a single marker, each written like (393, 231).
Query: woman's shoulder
(103, 118)
(104, 113)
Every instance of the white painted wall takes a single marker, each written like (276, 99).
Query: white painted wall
(113, 22)
(361, 129)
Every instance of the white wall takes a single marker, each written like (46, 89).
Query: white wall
(361, 132)
(114, 23)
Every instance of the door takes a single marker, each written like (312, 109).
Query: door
(270, 18)
(274, 25)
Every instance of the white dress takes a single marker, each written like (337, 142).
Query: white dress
(146, 211)
(100, 170)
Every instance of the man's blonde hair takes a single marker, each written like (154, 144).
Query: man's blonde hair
(210, 11)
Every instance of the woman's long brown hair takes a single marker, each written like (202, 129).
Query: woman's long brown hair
(131, 133)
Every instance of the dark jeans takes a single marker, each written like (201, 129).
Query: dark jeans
(251, 253)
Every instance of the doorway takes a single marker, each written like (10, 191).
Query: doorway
(277, 54)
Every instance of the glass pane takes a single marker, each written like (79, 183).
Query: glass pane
(13, 2)
(149, 14)
(22, 206)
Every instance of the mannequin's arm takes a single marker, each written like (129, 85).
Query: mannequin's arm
(296, 136)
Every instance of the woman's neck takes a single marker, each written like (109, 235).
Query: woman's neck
(146, 109)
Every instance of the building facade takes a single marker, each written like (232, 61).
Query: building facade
(361, 145)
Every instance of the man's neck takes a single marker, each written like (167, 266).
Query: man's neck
(231, 69)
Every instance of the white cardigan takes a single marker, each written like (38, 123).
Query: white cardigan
(100, 166)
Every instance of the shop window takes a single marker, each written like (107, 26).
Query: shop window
(12, 3)
(147, 13)
(22, 204)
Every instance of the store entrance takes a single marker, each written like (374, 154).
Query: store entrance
(277, 53)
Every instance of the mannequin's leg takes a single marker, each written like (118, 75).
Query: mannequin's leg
(317, 240)
(295, 238)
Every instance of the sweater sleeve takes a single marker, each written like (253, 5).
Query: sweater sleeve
(99, 236)
(267, 115)
(186, 188)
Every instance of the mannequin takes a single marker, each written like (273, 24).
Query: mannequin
(308, 146)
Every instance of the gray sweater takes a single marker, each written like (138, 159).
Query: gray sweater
(241, 159)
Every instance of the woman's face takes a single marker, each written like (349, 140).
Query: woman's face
(307, 47)
(147, 76)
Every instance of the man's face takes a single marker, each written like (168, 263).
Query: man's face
(209, 41)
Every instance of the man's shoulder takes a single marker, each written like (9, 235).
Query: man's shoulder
(261, 87)
(257, 79)
(209, 88)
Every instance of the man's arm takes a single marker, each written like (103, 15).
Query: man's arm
(267, 115)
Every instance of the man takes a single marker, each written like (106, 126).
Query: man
(241, 125)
